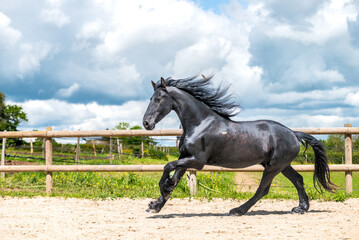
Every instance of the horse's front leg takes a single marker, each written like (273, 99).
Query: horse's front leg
(167, 184)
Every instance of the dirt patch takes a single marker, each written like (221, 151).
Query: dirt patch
(55, 218)
(12, 162)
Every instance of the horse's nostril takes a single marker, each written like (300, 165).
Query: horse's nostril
(145, 123)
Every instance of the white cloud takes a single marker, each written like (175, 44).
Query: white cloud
(244, 79)
(328, 22)
(92, 29)
(55, 16)
(329, 76)
(18, 57)
(55, 3)
(31, 56)
(307, 69)
(62, 115)
(352, 98)
(322, 120)
(336, 95)
(53, 13)
(198, 57)
(329, 117)
(119, 80)
(114, 48)
(68, 92)
(302, 55)
(8, 35)
(159, 21)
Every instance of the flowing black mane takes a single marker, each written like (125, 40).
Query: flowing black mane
(219, 100)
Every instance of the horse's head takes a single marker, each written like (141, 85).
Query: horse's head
(160, 105)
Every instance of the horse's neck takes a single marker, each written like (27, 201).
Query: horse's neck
(190, 111)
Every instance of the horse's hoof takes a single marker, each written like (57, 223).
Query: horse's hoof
(153, 207)
(298, 210)
(236, 212)
(150, 210)
(233, 214)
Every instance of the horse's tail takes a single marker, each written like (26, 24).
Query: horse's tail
(321, 170)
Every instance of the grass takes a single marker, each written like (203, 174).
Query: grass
(111, 185)
(282, 188)
(145, 185)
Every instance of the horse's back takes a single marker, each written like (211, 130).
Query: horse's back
(242, 144)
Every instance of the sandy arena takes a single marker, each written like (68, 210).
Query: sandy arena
(56, 218)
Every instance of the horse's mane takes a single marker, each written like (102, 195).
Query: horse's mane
(218, 99)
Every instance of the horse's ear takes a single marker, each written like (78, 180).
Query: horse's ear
(153, 85)
(163, 83)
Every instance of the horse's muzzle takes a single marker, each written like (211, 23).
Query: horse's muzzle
(147, 125)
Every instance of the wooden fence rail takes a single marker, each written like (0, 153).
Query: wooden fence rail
(164, 132)
(159, 168)
(348, 167)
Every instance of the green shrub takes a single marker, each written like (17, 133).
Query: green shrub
(156, 154)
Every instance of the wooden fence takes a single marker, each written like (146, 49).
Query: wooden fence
(49, 168)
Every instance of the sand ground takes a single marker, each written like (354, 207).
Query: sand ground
(58, 218)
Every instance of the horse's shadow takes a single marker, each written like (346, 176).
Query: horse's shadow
(251, 213)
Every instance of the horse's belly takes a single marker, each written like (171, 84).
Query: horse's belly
(234, 160)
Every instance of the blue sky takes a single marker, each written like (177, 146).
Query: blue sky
(88, 64)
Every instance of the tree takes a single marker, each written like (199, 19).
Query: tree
(14, 115)
(122, 126)
(335, 148)
(132, 140)
(10, 118)
(139, 139)
(2, 111)
(356, 141)
(335, 141)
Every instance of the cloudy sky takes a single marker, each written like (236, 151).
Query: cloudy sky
(88, 64)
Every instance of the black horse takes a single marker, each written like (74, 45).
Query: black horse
(211, 137)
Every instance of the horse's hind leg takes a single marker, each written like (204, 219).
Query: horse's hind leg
(262, 190)
(297, 180)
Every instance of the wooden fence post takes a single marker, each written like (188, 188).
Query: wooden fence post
(142, 152)
(118, 149)
(111, 150)
(48, 146)
(31, 146)
(348, 160)
(77, 151)
(94, 148)
(3, 155)
(43, 149)
(192, 182)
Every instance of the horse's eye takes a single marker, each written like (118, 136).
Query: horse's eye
(157, 100)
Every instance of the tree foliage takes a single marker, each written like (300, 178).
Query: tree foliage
(334, 141)
(14, 115)
(2, 111)
(10, 115)
(334, 148)
(134, 143)
(133, 140)
(356, 142)
(122, 126)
